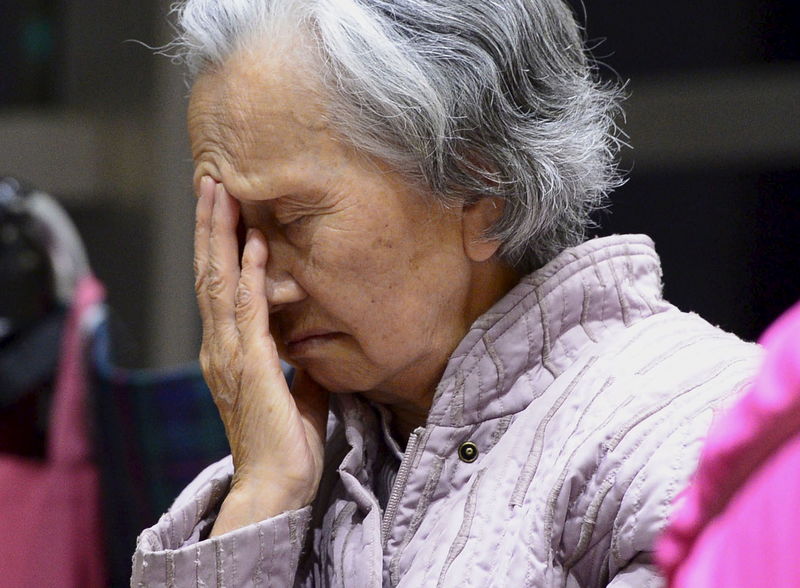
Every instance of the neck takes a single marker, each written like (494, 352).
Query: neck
(410, 408)
(410, 403)
(405, 422)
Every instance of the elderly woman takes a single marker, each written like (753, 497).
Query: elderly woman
(392, 197)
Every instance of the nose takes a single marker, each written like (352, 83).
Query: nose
(282, 289)
(281, 286)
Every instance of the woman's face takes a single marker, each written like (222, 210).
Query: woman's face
(371, 288)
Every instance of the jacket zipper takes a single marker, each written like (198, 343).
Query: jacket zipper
(399, 485)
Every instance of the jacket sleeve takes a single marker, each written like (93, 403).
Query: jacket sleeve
(176, 552)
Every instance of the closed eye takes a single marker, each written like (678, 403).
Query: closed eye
(294, 221)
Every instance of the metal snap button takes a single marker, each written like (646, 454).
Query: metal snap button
(468, 452)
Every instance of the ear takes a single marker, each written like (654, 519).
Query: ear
(477, 218)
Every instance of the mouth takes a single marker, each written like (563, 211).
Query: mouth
(306, 341)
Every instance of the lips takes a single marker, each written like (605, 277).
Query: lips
(305, 341)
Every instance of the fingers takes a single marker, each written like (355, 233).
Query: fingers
(216, 261)
(252, 307)
(205, 204)
(223, 260)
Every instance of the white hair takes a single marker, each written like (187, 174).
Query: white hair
(469, 98)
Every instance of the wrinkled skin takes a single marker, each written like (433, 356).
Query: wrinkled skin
(347, 272)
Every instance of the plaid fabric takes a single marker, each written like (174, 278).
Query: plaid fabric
(155, 430)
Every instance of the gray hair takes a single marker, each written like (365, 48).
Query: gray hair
(468, 98)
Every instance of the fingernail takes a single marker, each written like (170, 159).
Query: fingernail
(250, 233)
(206, 186)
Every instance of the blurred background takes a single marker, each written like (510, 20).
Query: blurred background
(97, 120)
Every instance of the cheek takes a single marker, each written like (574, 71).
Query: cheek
(359, 279)
(365, 255)
(377, 277)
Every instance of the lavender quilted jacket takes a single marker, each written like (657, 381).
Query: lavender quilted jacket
(566, 422)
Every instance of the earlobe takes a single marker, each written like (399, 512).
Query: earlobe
(477, 219)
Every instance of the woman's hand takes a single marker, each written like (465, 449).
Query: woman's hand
(276, 436)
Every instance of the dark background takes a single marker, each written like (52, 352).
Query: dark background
(726, 226)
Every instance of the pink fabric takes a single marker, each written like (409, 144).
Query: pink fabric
(740, 521)
(50, 511)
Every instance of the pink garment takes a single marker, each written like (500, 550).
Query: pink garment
(50, 511)
(740, 522)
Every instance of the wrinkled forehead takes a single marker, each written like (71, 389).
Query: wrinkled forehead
(258, 80)
(259, 104)
(258, 119)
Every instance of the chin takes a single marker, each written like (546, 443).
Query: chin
(335, 384)
(338, 377)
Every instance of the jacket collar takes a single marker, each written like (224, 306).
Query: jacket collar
(543, 322)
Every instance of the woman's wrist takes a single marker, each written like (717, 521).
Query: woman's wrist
(249, 503)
